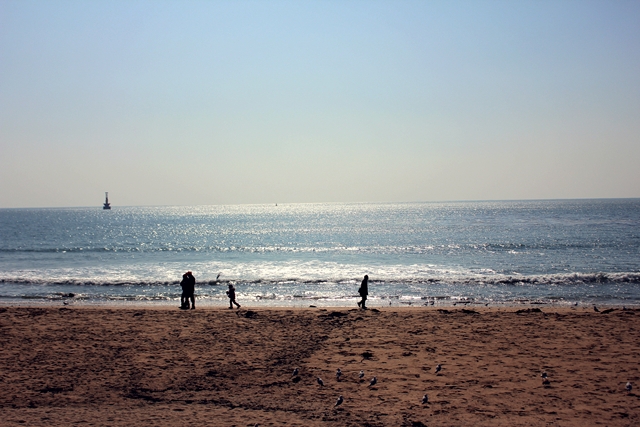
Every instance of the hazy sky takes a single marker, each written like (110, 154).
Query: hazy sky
(224, 102)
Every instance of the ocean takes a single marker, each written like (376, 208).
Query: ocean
(561, 252)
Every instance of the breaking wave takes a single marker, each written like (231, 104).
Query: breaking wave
(575, 279)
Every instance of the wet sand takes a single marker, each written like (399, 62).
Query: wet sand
(166, 367)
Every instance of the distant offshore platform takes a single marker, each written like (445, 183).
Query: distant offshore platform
(106, 204)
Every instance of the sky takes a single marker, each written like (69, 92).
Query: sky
(242, 102)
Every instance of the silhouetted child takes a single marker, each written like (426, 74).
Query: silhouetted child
(231, 293)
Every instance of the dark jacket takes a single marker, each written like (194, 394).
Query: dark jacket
(188, 284)
(364, 288)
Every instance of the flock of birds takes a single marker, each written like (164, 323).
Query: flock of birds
(373, 381)
(425, 399)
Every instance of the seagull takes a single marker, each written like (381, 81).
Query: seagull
(438, 368)
(320, 382)
(596, 309)
(629, 387)
(338, 374)
(295, 372)
(543, 375)
(373, 382)
(361, 375)
(339, 401)
(425, 399)
(545, 381)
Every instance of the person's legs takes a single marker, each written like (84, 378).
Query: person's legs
(183, 300)
(193, 301)
(237, 305)
(362, 303)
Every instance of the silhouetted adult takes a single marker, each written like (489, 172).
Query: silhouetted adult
(364, 291)
(188, 291)
(183, 298)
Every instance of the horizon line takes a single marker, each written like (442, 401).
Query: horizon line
(98, 206)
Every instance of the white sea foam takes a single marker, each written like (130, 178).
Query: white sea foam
(299, 272)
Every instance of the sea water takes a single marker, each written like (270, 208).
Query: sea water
(547, 252)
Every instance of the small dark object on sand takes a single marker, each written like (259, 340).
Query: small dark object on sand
(367, 355)
(248, 314)
(338, 314)
(529, 310)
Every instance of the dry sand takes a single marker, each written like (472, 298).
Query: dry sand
(161, 367)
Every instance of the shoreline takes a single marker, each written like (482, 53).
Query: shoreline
(481, 308)
(161, 366)
(307, 304)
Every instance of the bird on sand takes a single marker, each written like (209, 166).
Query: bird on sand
(596, 309)
(338, 374)
(373, 382)
(295, 372)
(339, 401)
(628, 387)
(425, 399)
(545, 381)
(543, 375)
(361, 375)
(438, 368)
(320, 382)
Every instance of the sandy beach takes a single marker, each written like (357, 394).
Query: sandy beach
(166, 367)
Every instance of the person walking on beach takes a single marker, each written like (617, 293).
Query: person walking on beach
(231, 293)
(188, 291)
(364, 291)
